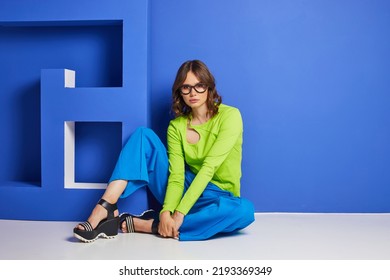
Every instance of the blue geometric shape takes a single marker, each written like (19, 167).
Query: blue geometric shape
(62, 105)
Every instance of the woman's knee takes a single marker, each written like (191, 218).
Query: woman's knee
(142, 130)
(247, 210)
(146, 132)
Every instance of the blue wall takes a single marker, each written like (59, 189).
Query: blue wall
(310, 78)
(312, 81)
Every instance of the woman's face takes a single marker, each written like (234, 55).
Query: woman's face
(197, 96)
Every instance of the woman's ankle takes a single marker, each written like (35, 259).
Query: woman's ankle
(143, 225)
(98, 214)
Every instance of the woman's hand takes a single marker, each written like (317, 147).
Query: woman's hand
(178, 217)
(167, 226)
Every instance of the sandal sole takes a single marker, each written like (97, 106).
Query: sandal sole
(103, 235)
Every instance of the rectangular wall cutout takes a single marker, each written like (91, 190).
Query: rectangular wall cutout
(94, 49)
(91, 152)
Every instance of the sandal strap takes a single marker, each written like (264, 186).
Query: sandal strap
(129, 224)
(87, 226)
(155, 226)
(147, 215)
(109, 207)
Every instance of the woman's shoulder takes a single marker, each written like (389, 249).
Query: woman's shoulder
(226, 110)
(178, 121)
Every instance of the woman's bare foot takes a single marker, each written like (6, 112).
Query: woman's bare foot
(98, 214)
(140, 225)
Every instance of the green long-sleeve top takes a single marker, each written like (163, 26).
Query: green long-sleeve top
(215, 158)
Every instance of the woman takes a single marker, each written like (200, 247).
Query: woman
(197, 182)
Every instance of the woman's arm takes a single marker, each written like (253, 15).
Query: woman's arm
(175, 186)
(175, 203)
(170, 221)
(231, 129)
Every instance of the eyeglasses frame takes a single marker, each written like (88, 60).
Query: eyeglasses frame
(193, 87)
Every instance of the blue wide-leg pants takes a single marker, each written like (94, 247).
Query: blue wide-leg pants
(143, 162)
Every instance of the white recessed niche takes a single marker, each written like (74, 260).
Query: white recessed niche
(69, 161)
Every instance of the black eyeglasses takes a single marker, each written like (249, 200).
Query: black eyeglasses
(199, 88)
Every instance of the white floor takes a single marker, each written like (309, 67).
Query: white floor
(273, 236)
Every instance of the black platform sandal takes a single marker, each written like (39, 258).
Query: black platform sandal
(107, 228)
(147, 215)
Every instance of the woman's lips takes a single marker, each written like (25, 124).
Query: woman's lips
(193, 100)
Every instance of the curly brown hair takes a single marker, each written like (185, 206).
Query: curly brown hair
(203, 74)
